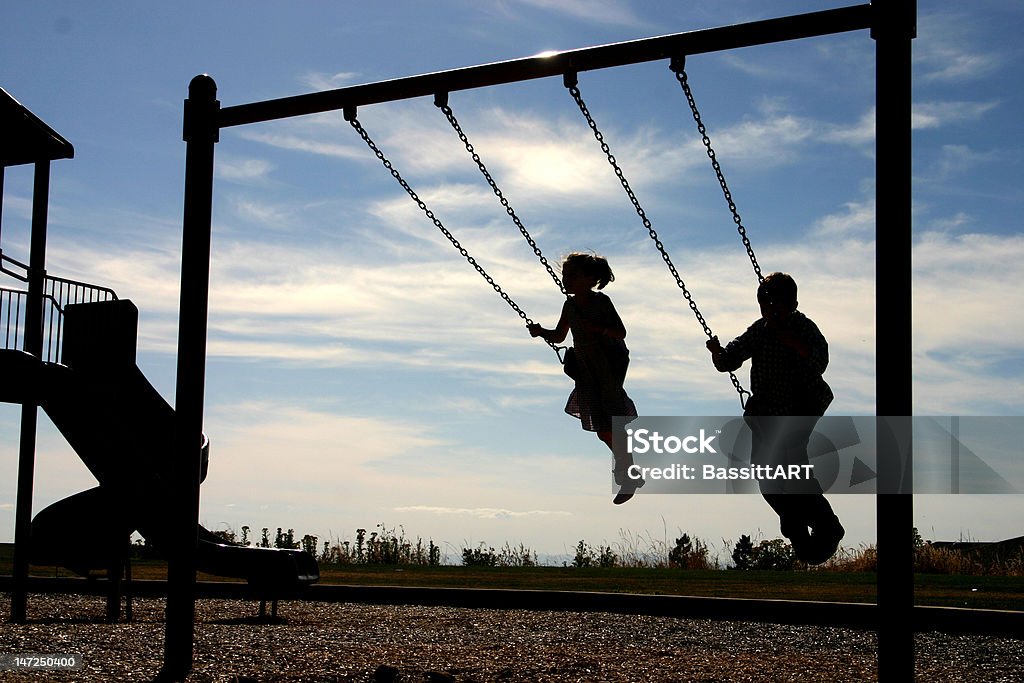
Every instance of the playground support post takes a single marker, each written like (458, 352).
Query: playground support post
(201, 133)
(33, 341)
(894, 29)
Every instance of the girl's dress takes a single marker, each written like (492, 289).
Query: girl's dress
(598, 395)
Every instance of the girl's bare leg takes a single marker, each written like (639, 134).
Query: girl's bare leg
(622, 463)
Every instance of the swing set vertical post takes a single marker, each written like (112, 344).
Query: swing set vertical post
(894, 28)
(201, 133)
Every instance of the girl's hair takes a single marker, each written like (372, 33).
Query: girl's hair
(590, 265)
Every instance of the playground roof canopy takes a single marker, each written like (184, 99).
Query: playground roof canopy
(25, 139)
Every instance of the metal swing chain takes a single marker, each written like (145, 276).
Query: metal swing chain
(354, 122)
(441, 100)
(571, 84)
(678, 66)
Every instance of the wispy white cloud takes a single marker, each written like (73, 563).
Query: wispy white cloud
(948, 49)
(951, 66)
(246, 171)
(777, 136)
(149, 275)
(297, 143)
(324, 81)
(861, 133)
(856, 219)
(958, 159)
(540, 163)
(986, 310)
(16, 205)
(552, 161)
(926, 115)
(769, 140)
(967, 323)
(327, 307)
(958, 222)
(613, 12)
(529, 155)
(288, 442)
(262, 213)
(483, 513)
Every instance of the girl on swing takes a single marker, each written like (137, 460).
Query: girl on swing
(601, 356)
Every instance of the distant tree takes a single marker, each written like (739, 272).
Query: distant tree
(245, 536)
(743, 554)
(679, 556)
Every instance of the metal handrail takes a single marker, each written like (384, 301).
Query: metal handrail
(59, 292)
(13, 303)
(97, 293)
(5, 259)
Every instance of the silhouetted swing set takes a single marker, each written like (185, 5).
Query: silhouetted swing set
(893, 26)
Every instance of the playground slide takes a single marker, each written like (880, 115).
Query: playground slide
(122, 429)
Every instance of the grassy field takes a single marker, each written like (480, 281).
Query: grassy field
(987, 592)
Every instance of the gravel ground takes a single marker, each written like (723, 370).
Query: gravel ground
(329, 642)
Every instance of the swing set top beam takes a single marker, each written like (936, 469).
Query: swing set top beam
(718, 39)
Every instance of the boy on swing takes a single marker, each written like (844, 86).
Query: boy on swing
(788, 355)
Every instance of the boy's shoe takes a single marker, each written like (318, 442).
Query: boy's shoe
(824, 540)
(798, 535)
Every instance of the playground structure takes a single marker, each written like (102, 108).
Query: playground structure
(892, 26)
(70, 349)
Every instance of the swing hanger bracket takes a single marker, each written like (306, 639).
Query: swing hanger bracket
(560, 352)
(677, 64)
(570, 79)
(349, 112)
(441, 100)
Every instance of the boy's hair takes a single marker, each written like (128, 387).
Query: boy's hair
(779, 288)
(591, 265)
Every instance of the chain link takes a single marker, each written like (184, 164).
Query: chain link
(680, 73)
(575, 92)
(500, 195)
(354, 122)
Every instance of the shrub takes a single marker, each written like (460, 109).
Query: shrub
(776, 554)
(481, 556)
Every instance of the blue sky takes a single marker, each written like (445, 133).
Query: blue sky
(360, 372)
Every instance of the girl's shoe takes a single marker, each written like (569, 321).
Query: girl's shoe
(627, 490)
